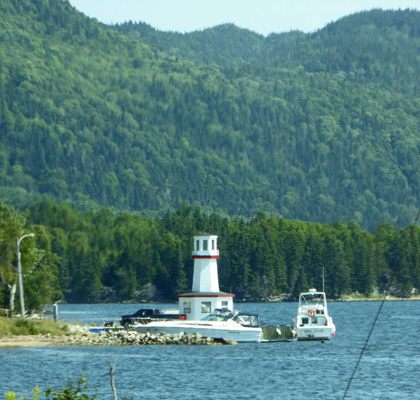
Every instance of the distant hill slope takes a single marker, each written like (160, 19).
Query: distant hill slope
(223, 45)
(380, 46)
(92, 117)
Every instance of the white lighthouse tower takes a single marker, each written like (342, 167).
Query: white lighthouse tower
(205, 295)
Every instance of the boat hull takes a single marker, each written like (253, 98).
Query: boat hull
(238, 334)
(324, 333)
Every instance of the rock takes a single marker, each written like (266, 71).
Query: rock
(228, 341)
(133, 338)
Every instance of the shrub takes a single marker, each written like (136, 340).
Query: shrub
(72, 391)
(23, 326)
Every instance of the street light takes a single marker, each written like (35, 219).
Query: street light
(22, 303)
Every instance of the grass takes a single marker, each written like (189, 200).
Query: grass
(23, 326)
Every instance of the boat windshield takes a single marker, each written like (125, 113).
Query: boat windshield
(312, 300)
(219, 315)
(247, 319)
(226, 315)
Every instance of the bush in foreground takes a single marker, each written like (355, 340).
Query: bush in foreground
(73, 390)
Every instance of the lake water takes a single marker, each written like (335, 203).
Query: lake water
(390, 368)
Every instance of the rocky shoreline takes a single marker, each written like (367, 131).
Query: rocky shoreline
(124, 338)
(111, 338)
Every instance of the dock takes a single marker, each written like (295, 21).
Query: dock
(280, 333)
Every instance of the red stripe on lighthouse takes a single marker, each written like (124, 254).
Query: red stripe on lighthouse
(205, 257)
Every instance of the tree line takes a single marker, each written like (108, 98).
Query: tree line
(106, 257)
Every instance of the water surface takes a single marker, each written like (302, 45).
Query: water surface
(390, 368)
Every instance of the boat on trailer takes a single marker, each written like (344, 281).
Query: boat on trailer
(313, 321)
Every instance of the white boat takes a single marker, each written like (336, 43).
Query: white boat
(313, 321)
(220, 324)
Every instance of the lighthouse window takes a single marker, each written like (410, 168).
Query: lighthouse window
(197, 245)
(225, 304)
(187, 307)
(205, 307)
(205, 245)
(213, 245)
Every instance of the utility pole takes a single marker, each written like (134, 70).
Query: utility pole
(21, 298)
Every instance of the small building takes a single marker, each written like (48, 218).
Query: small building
(205, 295)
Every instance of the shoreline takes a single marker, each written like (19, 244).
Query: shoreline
(271, 300)
(349, 298)
(341, 299)
(32, 340)
(13, 341)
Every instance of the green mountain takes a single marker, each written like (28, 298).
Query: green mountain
(223, 45)
(380, 46)
(319, 127)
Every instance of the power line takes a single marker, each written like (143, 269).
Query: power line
(383, 300)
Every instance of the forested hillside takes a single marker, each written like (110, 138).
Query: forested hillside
(99, 256)
(376, 46)
(320, 127)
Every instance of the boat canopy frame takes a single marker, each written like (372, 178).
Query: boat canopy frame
(313, 300)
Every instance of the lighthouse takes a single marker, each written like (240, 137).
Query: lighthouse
(205, 295)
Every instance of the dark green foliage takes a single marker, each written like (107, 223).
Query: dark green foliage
(73, 390)
(372, 46)
(28, 325)
(317, 127)
(223, 45)
(104, 257)
(313, 127)
(39, 262)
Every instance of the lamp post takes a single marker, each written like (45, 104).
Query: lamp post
(22, 303)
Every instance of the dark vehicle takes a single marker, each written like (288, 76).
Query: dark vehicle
(145, 315)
